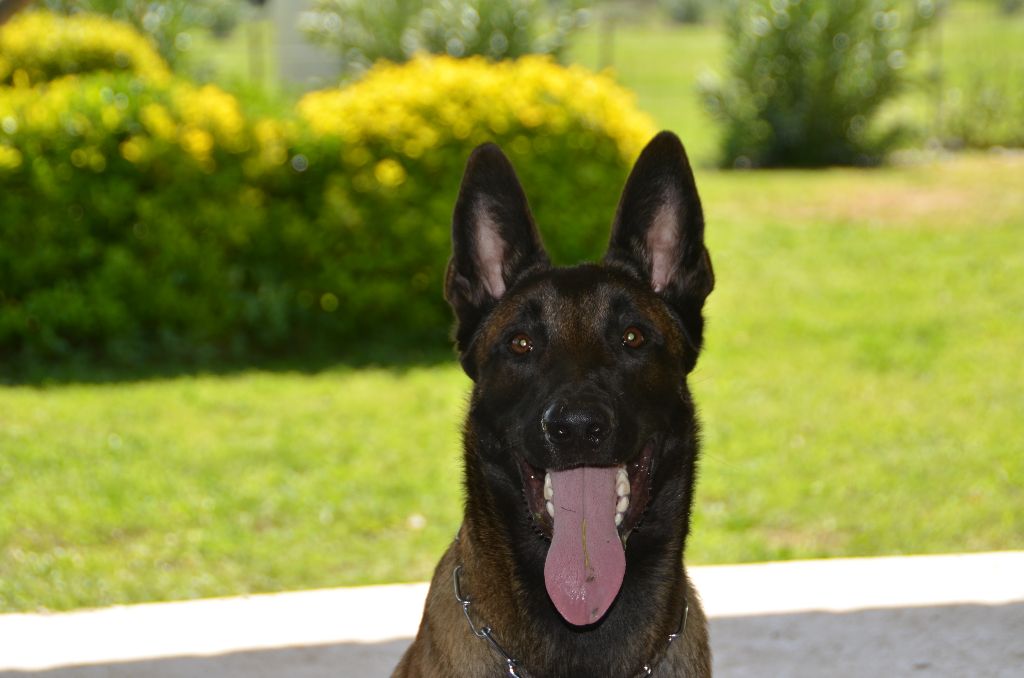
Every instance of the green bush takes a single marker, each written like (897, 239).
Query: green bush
(122, 214)
(1010, 6)
(807, 78)
(685, 11)
(985, 113)
(364, 32)
(39, 46)
(404, 133)
(166, 22)
(151, 219)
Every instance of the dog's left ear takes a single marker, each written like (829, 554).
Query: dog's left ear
(494, 240)
(658, 232)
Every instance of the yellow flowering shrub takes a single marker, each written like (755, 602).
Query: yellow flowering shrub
(150, 217)
(40, 46)
(393, 147)
(571, 134)
(120, 217)
(78, 113)
(432, 101)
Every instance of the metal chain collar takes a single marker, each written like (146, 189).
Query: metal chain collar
(512, 666)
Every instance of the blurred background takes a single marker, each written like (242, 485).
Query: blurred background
(225, 363)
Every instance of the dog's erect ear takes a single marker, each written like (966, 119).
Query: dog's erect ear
(494, 239)
(658, 233)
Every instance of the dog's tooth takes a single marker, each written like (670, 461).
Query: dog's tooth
(550, 507)
(622, 482)
(548, 490)
(618, 519)
(622, 488)
(622, 505)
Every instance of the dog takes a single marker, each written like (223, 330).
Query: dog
(581, 440)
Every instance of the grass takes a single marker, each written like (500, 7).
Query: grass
(200, 486)
(860, 388)
(661, 64)
(861, 391)
(977, 38)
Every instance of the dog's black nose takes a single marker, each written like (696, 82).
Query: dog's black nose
(567, 424)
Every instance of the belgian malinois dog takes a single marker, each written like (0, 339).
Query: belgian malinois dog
(580, 439)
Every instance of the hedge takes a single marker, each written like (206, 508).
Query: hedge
(147, 219)
(121, 218)
(39, 46)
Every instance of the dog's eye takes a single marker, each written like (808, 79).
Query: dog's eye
(633, 337)
(521, 344)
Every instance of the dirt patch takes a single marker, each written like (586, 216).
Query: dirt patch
(961, 191)
(890, 206)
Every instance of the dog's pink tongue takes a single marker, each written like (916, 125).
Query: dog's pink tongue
(585, 563)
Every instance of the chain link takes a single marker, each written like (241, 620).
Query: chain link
(484, 631)
(487, 633)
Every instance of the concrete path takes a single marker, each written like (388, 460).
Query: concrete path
(959, 615)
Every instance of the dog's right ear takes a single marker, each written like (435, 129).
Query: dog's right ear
(494, 240)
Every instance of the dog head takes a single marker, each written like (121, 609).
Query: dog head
(581, 427)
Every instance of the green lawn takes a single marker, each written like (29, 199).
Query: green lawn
(661, 64)
(863, 387)
(203, 486)
(862, 393)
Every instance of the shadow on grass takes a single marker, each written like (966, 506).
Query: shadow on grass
(395, 355)
(942, 640)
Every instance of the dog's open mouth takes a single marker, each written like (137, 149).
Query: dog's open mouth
(588, 513)
(632, 490)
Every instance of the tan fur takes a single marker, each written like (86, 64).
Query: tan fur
(445, 647)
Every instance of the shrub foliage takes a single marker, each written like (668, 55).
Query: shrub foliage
(806, 78)
(365, 32)
(166, 22)
(985, 112)
(121, 212)
(37, 46)
(146, 218)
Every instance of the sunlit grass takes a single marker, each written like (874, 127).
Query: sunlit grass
(862, 387)
(201, 486)
(662, 63)
(861, 394)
